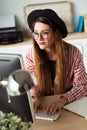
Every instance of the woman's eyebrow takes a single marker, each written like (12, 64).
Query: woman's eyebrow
(43, 30)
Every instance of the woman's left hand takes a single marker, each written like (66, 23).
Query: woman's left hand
(55, 106)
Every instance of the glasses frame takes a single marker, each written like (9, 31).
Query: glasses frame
(43, 35)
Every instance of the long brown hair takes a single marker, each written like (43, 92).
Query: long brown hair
(42, 67)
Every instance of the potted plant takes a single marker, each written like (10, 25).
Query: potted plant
(11, 121)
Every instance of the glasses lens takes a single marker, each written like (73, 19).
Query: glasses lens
(35, 35)
(44, 35)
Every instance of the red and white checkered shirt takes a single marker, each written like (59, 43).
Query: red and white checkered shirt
(76, 74)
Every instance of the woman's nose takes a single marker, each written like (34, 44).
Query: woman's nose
(40, 36)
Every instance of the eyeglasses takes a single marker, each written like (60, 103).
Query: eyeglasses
(43, 35)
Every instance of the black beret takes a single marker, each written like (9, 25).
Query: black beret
(51, 15)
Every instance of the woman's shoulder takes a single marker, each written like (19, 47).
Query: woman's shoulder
(30, 54)
(70, 47)
(71, 51)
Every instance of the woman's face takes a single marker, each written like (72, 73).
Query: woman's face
(43, 35)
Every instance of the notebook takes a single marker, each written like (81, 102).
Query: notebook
(78, 107)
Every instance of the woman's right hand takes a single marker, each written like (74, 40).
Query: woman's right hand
(37, 104)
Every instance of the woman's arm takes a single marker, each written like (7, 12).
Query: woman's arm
(79, 77)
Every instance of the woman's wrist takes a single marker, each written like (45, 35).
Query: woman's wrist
(34, 93)
(63, 100)
(35, 96)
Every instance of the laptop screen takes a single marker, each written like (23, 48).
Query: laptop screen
(10, 63)
(20, 105)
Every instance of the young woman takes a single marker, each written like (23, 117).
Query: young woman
(57, 65)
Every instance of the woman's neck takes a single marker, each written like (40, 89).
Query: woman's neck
(51, 54)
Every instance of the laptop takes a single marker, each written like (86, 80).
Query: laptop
(20, 105)
(78, 107)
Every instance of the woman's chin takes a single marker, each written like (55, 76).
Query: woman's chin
(42, 47)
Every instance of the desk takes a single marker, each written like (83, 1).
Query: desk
(67, 121)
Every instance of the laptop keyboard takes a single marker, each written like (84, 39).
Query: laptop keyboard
(42, 115)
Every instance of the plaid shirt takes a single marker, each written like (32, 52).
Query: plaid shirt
(76, 74)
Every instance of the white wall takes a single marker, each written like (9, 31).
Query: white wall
(16, 7)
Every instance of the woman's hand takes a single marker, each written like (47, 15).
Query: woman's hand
(37, 104)
(55, 106)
